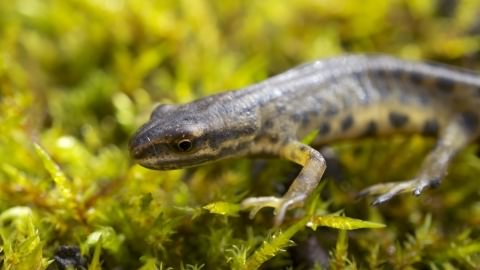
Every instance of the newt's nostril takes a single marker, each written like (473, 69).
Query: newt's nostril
(136, 146)
(136, 153)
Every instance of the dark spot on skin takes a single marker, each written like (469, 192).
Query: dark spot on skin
(435, 182)
(371, 129)
(347, 123)
(280, 108)
(331, 111)
(423, 99)
(273, 139)
(303, 148)
(416, 77)
(379, 73)
(469, 121)
(396, 73)
(397, 119)
(296, 117)
(305, 120)
(324, 129)
(268, 124)
(357, 76)
(445, 85)
(314, 113)
(430, 128)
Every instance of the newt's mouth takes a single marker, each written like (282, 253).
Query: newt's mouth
(161, 163)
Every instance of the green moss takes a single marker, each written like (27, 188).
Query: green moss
(77, 77)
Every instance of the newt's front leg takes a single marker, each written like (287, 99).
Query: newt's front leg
(307, 180)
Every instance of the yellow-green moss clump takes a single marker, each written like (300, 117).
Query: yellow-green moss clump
(77, 77)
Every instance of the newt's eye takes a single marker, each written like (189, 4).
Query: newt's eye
(184, 145)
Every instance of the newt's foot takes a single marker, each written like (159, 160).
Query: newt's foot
(387, 191)
(280, 205)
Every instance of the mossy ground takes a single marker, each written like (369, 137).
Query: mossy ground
(77, 77)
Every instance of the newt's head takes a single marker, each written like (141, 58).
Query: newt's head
(184, 136)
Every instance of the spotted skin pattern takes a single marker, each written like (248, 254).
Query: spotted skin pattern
(341, 98)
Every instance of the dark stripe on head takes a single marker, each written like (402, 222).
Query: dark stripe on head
(216, 138)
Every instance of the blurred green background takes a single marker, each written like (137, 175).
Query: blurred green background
(77, 77)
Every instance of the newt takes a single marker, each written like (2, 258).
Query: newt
(340, 98)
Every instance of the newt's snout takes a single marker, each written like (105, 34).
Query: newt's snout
(138, 146)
